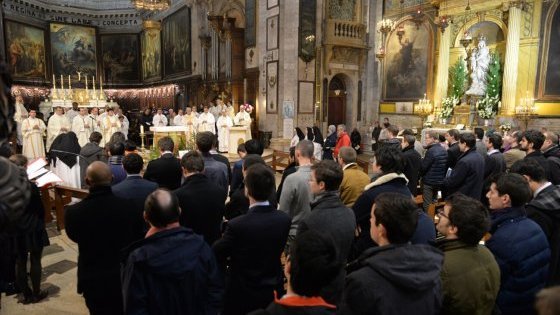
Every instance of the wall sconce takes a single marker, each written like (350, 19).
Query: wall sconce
(337, 92)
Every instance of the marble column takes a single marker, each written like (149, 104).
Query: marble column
(2, 47)
(509, 88)
(443, 66)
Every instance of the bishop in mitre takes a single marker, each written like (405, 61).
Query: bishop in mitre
(110, 124)
(32, 129)
(159, 119)
(82, 126)
(21, 114)
(224, 123)
(190, 121)
(206, 121)
(58, 123)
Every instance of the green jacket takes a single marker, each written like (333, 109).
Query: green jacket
(470, 279)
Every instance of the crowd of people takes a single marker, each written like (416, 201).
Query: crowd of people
(197, 236)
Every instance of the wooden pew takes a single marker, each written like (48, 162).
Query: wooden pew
(62, 196)
(279, 160)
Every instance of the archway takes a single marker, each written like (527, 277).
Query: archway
(337, 101)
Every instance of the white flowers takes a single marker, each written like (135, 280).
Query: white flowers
(447, 105)
(487, 107)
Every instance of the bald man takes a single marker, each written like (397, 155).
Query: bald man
(101, 224)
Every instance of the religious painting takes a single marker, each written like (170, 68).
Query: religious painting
(407, 62)
(250, 23)
(120, 54)
(272, 87)
(177, 43)
(25, 46)
(306, 97)
(272, 32)
(549, 87)
(73, 50)
(151, 54)
(307, 28)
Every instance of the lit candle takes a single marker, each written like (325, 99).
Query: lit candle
(79, 76)
(53, 82)
(141, 129)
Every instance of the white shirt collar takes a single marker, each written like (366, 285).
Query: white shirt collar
(348, 165)
(493, 151)
(541, 189)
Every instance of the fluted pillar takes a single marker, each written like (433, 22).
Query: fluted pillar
(509, 88)
(443, 66)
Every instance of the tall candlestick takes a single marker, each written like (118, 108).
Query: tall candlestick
(94, 95)
(69, 83)
(141, 129)
(86, 83)
(62, 82)
(94, 82)
(53, 82)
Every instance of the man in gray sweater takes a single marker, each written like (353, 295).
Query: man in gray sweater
(296, 196)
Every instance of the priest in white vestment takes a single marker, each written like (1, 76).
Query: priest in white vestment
(206, 121)
(190, 121)
(159, 119)
(21, 114)
(224, 123)
(95, 120)
(71, 113)
(33, 129)
(82, 126)
(110, 124)
(178, 119)
(242, 118)
(58, 123)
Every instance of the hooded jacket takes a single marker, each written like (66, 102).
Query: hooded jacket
(171, 272)
(394, 279)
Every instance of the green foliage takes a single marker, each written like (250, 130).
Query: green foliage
(494, 76)
(457, 79)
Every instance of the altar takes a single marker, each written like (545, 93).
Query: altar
(238, 135)
(177, 133)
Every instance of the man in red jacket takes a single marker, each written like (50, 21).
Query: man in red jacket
(343, 139)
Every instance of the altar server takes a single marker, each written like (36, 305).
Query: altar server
(32, 129)
(58, 123)
(159, 119)
(224, 123)
(110, 124)
(178, 120)
(190, 121)
(206, 121)
(82, 126)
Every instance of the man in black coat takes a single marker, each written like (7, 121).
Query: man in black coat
(453, 151)
(397, 277)
(166, 170)
(494, 162)
(201, 200)
(135, 188)
(467, 176)
(172, 270)
(412, 162)
(102, 224)
(532, 142)
(433, 168)
(551, 152)
(330, 216)
(253, 244)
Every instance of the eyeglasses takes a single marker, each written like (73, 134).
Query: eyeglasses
(441, 213)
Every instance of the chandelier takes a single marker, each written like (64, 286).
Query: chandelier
(424, 108)
(151, 5)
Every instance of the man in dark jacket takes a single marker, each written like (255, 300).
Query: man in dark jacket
(311, 265)
(518, 244)
(172, 270)
(470, 276)
(215, 170)
(90, 153)
(468, 174)
(551, 152)
(166, 170)
(480, 145)
(412, 161)
(433, 168)
(396, 277)
(330, 216)
(116, 154)
(544, 209)
(201, 201)
(252, 245)
(453, 150)
(102, 224)
(532, 142)
(494, 162)
(388, 162)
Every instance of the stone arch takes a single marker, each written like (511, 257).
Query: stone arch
(473, 22)
(347, 98)
(230, 8)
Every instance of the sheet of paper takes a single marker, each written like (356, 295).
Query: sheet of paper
(48, 178)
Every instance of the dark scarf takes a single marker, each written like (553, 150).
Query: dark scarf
(66, 148)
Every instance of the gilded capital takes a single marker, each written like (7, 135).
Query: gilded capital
(509, 4)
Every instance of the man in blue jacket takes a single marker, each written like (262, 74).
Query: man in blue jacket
(172, 270)
(518, 244)
(433, 168)
(468, 174)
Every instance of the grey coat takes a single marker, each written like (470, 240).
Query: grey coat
(296, 196)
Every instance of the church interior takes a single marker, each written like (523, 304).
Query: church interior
(270, 66)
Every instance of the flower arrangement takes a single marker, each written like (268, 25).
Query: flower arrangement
(447, 105)
(247, 107)
(505, 128)
(488, 106)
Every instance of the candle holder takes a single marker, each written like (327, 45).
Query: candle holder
(526, 110)
(424, 108)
